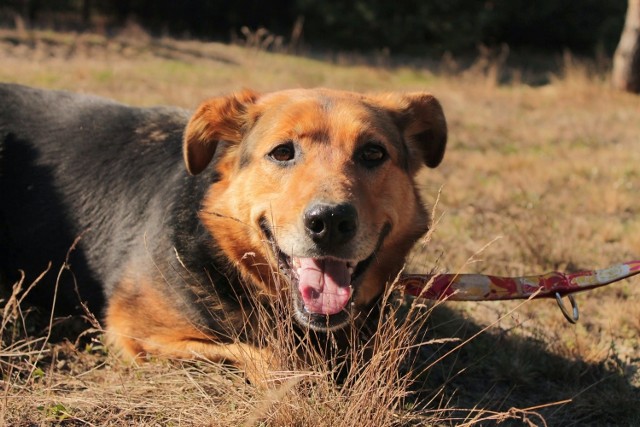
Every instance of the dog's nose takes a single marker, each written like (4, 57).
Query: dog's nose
(331, 225)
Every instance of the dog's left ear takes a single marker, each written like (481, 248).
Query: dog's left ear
(218, 119)
(420, 118)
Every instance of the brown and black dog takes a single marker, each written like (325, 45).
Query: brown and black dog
(304, 196)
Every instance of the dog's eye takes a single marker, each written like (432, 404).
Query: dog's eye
(372, 155)
(283, 152)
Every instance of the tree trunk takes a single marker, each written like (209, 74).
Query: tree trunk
(626, 61)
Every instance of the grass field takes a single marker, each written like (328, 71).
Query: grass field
(534, 179)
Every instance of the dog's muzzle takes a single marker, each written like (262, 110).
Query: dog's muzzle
(324, 284)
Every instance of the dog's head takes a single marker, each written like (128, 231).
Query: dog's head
(317, 186)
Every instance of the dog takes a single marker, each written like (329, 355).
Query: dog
(169, 223)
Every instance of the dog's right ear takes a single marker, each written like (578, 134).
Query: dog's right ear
(217, 119)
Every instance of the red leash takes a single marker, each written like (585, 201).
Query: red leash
(479, 287)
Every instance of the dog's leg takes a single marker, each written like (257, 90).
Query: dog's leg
(258, 364)
(142, 321)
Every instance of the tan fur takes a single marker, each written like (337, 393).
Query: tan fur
(244, 195)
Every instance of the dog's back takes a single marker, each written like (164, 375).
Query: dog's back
(80, 167)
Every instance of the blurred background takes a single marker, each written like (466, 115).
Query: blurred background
(411, 27)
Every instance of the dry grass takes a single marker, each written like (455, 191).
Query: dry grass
(550, 171)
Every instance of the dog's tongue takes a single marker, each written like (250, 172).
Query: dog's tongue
(324, 285)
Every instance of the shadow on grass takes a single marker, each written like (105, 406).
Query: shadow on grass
(498, 372)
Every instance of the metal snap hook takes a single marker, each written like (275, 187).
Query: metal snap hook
(574, 305)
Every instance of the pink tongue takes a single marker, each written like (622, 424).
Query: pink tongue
(324, 285)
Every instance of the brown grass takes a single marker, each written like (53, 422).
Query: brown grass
(545, 177)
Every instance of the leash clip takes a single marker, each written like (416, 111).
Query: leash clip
(574, 305)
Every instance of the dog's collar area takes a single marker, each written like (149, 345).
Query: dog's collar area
(322, 288)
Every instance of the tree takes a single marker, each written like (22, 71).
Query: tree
(626, 61)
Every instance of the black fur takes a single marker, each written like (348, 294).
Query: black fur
(82, 167)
